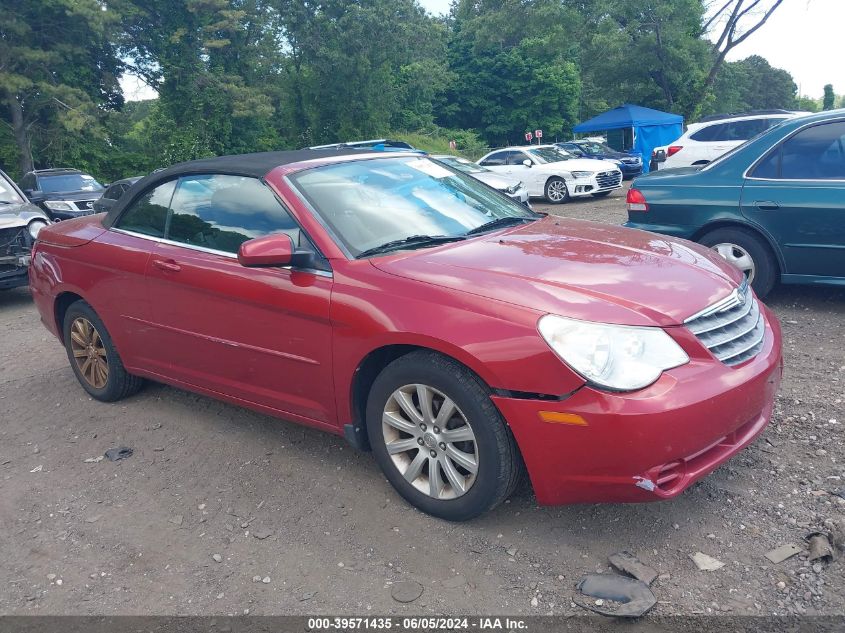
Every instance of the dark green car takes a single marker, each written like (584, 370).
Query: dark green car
(774, 206)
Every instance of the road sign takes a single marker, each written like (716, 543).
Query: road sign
(538, 133)
(528, 136)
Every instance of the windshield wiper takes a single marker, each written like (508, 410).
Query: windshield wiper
(413, 240)
(498, 223)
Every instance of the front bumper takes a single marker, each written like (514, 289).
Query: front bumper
(80, 209)
(520, 195)
(595, 183)
(14, 278)
(650, 444)
(629, 170)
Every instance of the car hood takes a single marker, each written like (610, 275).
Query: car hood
(579, 269)
(19, 214)
(497, 181)
(577, 164)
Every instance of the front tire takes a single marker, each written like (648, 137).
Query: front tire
(749, 253)
(439, 439)
(556, 191)
(93, 357)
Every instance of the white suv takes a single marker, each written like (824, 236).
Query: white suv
(713, 136)
(554, 174)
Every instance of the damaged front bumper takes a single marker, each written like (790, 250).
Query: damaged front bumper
(650, 444)
(15, 249)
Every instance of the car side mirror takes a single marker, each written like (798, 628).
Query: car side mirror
(272, 250)
(527, 162)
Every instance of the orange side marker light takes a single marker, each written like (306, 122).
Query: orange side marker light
(556, 417)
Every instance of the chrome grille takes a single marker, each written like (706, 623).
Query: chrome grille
(733, 328)
(608, 178)
(85, 205)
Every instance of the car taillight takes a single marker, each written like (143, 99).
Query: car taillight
(636, 200)
(673, 149)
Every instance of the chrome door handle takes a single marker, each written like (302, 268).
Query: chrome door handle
(766, 205)
(169, 266)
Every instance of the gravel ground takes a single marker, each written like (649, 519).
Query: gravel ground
(220, 510)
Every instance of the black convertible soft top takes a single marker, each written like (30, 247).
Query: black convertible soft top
(256, 165)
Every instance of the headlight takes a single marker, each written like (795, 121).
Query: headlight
(35, 227)
(582, 174)
(617, 357)
(57, 205)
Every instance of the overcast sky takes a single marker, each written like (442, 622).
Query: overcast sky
(803, 36)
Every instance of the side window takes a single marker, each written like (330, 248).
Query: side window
(221, 212)
(516, 158)
(499, 158)
(113, 192)
(708, 133)
(769, 167)
(148, 214)
(816, 153)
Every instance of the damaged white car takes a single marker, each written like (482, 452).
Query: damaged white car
(20, 223)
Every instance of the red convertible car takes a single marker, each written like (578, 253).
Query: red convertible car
(458, 335)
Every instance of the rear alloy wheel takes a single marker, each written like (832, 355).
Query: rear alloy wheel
(93, 357)
(748, 253)
(556, 191)
(439, 439)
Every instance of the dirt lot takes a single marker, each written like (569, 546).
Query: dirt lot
(221, 510)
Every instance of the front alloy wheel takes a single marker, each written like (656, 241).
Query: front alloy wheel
(556, 191)
(439, 439)
(430, 441)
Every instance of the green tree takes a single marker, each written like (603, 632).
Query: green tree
(829, 97)
(649, 53)
(752, 84)
(514, 69)
(58, 73)
(356, 69)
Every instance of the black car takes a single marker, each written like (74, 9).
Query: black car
(113, 193)
(20, 223)
(63, 193)
(629, 164)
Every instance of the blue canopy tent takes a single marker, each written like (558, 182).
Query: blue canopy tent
(650, 128)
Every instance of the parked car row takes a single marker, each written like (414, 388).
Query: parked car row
(554, 174)
(774, 206)
(712, 136)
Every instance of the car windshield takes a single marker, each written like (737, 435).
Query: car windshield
(68, 182)
(549, 154)
(595, 148)
(462, 165)
(370, 203)
(8, 195)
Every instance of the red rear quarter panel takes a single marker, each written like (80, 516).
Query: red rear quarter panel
(105, 268)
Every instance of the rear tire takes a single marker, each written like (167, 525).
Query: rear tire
(739, 246)
(93, 357)
(427, 377)
(556, 191)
